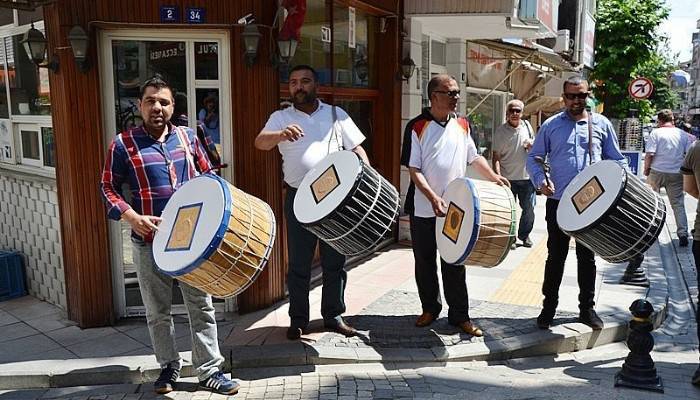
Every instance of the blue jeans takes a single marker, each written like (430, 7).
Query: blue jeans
(524, 192)
(157, 294)
(301, 246)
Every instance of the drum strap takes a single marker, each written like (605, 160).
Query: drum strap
(590, 140)
(334, 132)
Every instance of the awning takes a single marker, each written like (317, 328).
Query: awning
(546, 104)
(28, 5)
(542, 55)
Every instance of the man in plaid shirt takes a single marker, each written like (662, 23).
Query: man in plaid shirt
(155, 160)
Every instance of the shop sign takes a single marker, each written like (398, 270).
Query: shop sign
(588, 41)
(351, 27)
(634, 160)
(169, 14)
(195, 15)
(176, 49)
(485, 67)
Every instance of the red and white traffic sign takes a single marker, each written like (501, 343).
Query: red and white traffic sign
(640, 88)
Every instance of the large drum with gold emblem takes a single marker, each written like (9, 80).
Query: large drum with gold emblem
(214, 236)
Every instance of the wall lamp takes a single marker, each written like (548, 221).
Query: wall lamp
(287, 48)
(408, 67)
(79, 42)
(251, 39)
(34, 44)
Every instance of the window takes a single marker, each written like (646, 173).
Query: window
(36, 145)
(438, 53)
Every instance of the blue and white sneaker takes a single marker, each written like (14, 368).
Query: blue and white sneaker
(218, 383)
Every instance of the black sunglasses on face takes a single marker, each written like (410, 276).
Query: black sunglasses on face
(514, 111)
(573, 96)
(451, 93)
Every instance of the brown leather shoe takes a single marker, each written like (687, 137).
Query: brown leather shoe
(471, 329)
(425, 319)
(342, 328)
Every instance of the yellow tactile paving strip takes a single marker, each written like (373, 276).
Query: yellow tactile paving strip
(524, 285)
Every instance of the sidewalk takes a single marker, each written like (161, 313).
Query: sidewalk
(39, 348)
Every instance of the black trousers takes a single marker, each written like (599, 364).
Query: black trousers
(557, 250)
(301, 245)
(453, 276)
(696, 256)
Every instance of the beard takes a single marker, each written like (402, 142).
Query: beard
(301, 97)
(577, 109)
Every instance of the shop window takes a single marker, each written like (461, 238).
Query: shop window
(438, 53)
(314, 47)
(25, 17)
(206, 60)
(48, 147)
(29, 85)
(36, 145)
(484, 118)
(353, 55)
(7, 16)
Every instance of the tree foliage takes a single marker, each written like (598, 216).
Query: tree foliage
(629, 45)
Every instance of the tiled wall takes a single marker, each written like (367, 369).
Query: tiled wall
(29, 223)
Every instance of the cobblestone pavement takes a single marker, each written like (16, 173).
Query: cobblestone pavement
(377, 324)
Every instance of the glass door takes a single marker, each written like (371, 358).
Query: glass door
(193, 64)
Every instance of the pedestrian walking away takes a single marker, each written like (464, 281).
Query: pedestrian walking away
(665, 149)
(155, 160)
(438, 151)
(691, 184)
(511, 143)
(305, 133)
(571, 140)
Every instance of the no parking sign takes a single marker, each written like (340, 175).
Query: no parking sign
(640, 88)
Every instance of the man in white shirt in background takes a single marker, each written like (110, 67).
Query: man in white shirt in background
(441, 148)
(511, 142)
(305, 134)
(666, 147)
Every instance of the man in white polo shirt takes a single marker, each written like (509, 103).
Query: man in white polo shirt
(306, 133)
(665, 151)
(441, 148)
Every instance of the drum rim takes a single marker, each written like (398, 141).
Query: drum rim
(350, 194)
(476, 225)
(607, 212)
(218, 237)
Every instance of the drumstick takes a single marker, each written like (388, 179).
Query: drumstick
(545, 168)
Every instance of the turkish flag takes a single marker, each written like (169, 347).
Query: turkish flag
(291, 28)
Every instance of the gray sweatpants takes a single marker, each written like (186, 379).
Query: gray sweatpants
(673, 183)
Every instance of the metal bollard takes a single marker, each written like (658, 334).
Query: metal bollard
(638, 370)
(635, 274)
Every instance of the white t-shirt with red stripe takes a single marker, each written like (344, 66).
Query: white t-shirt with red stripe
(442, 153)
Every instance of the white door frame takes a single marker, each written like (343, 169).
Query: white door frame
(105, 63)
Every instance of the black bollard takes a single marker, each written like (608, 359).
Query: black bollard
(638, 370)
(635, 274)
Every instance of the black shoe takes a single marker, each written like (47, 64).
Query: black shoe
(166, 381)
(219, 383)
(590, 318)
(342, 328)
(527, 242)
(696, 377)
(294, 332)
(544, 320)
(683, 241)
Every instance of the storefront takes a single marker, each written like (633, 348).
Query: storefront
(198, 46)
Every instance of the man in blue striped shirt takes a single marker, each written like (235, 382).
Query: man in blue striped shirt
(564, 140)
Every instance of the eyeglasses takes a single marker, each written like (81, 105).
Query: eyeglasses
(514, 111)
(451, 93)
(573, 96)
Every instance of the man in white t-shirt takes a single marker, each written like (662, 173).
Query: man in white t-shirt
(441, 148)
(306, 133)
(665, 151)
(511, 142)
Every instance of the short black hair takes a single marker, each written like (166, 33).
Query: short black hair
(574, 80)
(156, 81)
(435, 81)
(304, 67)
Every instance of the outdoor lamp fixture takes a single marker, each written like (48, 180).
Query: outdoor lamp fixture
(362, 69)
(251, 39)
(79, 42)
(408, 67)
(34, 44)
(287, 48)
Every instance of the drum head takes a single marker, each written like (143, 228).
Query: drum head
(326, 186)
(458, 231)
(590, 195)
(193, 225)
